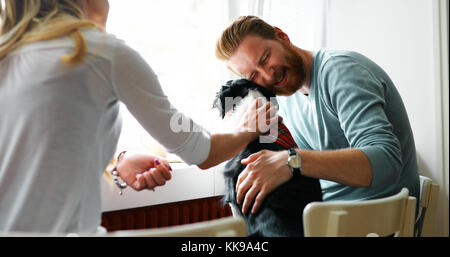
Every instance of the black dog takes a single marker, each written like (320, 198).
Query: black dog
(280, 214)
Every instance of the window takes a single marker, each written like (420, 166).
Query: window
(177, 38)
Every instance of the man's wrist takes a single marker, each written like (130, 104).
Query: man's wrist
(294, 162)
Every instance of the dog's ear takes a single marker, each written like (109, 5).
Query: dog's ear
(237, 88)
(219, 101)
(232, 89)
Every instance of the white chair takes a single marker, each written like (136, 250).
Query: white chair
(426, 216)
(224, 227)
(392, 215)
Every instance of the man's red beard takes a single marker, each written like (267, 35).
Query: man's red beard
(294, 69)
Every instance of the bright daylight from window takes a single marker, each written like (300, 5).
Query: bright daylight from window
(177, 39)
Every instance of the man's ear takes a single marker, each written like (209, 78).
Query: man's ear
(282, 36)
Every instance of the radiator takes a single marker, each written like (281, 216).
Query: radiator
(165, 215)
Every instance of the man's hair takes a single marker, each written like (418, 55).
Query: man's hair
(243, 26)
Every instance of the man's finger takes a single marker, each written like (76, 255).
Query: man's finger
(249, 196)
(251, 158)
(242, 190)
(259, 199)
(241, 178)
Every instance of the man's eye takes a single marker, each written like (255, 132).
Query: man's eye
(266, 58)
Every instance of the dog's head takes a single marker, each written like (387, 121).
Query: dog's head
(238, 95)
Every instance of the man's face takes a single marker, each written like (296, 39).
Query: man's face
(269, 63)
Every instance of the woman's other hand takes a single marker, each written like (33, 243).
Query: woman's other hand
(143, 171)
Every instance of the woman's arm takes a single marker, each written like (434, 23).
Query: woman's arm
(225, 146)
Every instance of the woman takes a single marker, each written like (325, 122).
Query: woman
(61, 79)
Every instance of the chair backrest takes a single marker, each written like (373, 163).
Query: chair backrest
(426, 216)
(223, 227)
(378, 217)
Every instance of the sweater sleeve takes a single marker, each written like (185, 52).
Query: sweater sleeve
(137, 86)
(358, 99)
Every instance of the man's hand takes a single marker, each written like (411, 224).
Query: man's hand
(265, 171)
(143, 171)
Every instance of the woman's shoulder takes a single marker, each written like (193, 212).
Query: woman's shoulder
(107, 45)
(102, 42)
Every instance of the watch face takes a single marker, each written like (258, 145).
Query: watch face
(294, 162)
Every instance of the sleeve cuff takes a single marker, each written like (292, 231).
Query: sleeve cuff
(384, 171)
(196, 148)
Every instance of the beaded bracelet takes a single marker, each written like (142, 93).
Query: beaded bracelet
(115, 174)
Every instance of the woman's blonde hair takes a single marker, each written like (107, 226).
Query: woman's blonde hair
(243, 26)
(27, 21)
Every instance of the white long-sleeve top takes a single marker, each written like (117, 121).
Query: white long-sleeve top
(59, 128)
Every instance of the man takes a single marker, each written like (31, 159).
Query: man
(343, 110)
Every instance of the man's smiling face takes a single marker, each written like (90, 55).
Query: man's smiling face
(272, 64)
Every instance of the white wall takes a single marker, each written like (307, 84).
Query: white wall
(402, 36)
(187, 183)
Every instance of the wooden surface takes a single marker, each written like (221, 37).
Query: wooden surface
(165, 215)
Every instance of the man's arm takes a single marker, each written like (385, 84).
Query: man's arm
(266, 170)
(350, 166)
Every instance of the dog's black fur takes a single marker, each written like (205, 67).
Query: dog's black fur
(281, 211)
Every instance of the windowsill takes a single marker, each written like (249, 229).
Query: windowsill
(187, 183)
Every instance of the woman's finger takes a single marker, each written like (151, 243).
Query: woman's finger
(165, 169)
(271, 112)
(158, 177)
(140, 183)
(149, 179)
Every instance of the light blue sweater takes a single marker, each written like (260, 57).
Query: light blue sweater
(354, 104)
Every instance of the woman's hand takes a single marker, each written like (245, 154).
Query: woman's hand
(259, 118)
(95, 10)
(265, 171)
(248, 130)
(143, 171)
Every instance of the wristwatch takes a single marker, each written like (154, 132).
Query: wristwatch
(294, 162)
